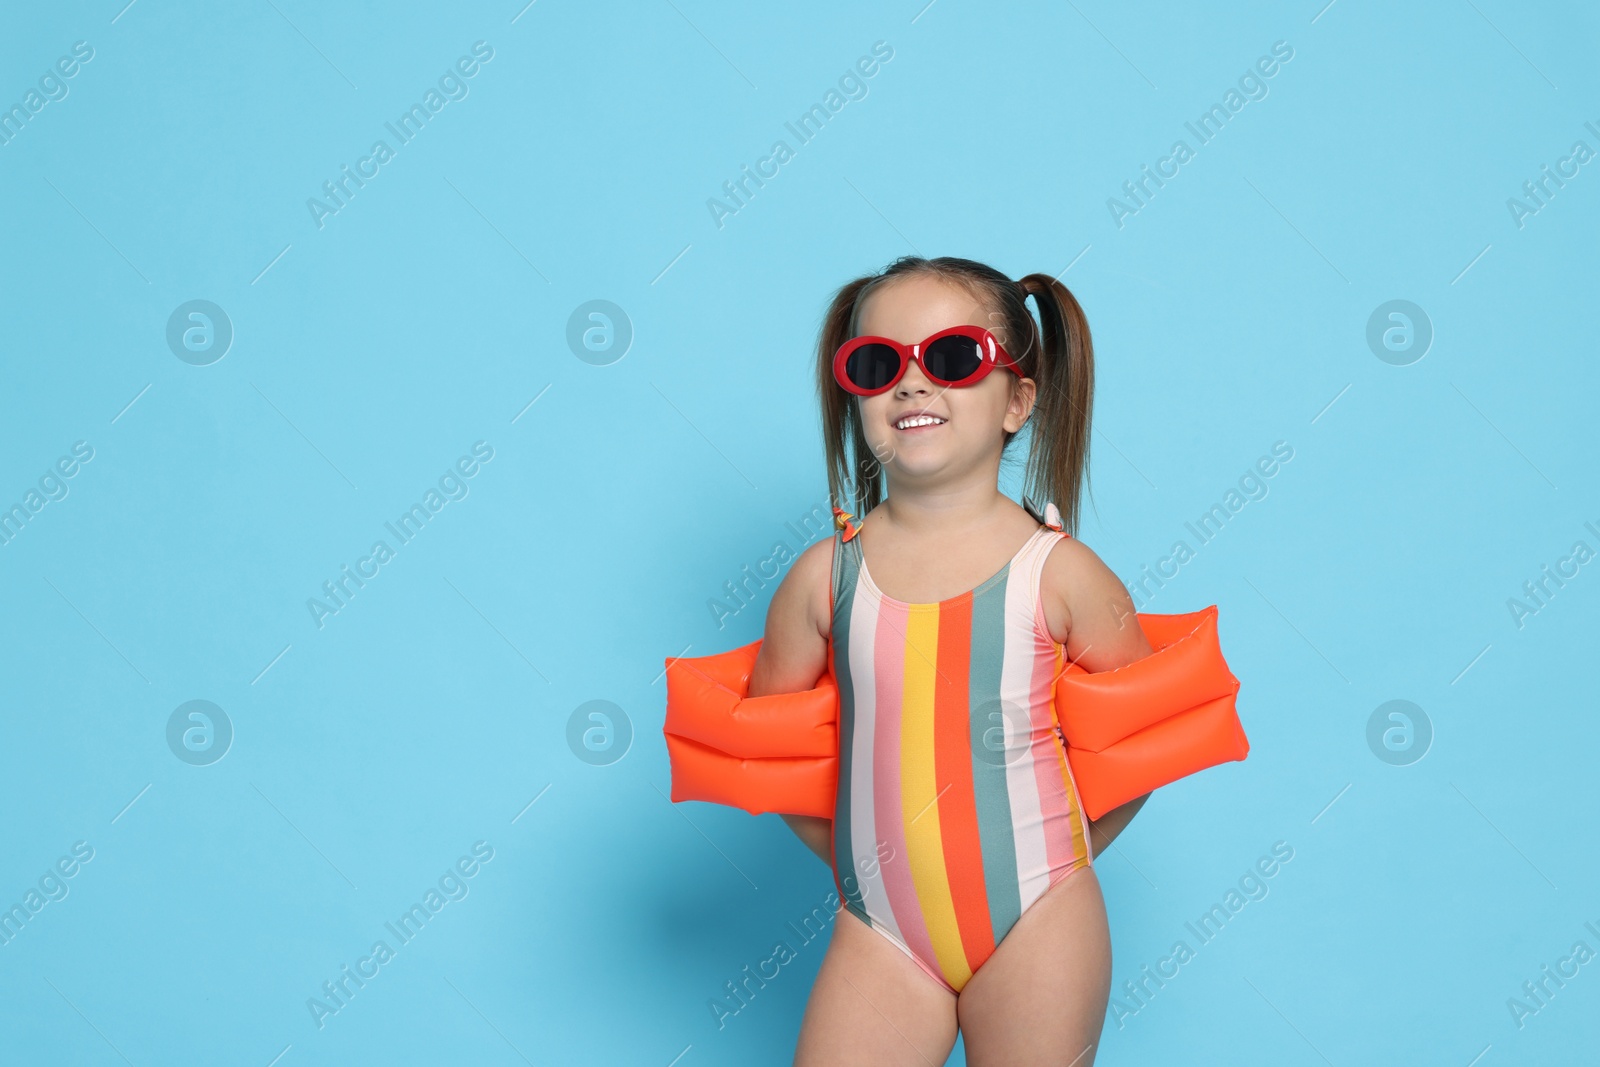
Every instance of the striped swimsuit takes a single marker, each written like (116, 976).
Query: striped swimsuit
(956, 807)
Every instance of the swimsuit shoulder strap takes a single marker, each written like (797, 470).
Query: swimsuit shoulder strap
(1046, 515)
(846, 559)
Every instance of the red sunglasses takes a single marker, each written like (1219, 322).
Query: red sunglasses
(958, 356)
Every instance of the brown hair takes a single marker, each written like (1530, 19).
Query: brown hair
(1061, 362)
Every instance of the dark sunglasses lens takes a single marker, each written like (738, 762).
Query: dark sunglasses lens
(953, 358)
(872, 366)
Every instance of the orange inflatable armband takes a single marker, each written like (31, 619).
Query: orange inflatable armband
(1139, 727)
(777, 753)
(1128, 731)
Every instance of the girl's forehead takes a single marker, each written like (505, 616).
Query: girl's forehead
(909, 309)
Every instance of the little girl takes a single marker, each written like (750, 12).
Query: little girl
(958, 844)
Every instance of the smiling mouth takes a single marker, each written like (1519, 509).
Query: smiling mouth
(919, 422)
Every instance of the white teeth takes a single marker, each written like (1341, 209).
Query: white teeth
(918, 420)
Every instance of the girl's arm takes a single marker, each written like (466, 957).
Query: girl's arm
(1091, 613)
(794, 655)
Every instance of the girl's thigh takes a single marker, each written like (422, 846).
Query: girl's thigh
(872, 1005)
(1041, 997)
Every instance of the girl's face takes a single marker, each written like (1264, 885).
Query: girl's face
(968, 440)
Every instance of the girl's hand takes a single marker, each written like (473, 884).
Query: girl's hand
(794, 655)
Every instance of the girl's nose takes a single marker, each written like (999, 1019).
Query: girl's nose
(914, 379)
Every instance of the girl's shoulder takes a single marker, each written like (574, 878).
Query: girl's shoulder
(1086, 604)
(809, 583)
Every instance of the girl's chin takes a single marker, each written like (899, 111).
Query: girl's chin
(916, 468)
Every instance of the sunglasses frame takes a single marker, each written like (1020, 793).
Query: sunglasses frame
(996, 356)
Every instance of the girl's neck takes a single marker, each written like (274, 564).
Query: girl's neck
(942, 512)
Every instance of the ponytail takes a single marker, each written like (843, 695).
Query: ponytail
(1058, 462)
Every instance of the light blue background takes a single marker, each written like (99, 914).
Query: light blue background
(1228, 314)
